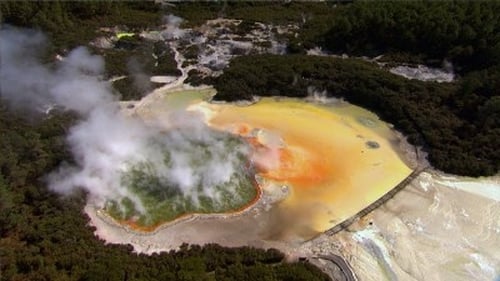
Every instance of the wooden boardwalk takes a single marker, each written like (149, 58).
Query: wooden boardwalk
(377, 203)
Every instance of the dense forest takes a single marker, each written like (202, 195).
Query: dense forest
(307, 15)
(466, 33)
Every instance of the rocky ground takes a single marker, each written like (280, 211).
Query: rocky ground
(434, 229)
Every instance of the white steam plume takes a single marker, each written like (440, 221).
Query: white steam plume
(105, 142)
(173, 29)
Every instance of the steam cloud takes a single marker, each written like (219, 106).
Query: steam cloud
(173, 30)
(105, 142)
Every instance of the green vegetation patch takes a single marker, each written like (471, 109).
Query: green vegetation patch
(196, 13)
(162, 199)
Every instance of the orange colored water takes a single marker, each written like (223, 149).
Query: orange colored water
(320, 153)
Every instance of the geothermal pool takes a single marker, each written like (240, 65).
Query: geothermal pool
(335, 160)
(328, 161)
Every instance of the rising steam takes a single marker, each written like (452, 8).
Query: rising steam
(105, 143)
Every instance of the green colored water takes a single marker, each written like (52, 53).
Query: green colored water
(162, 199)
